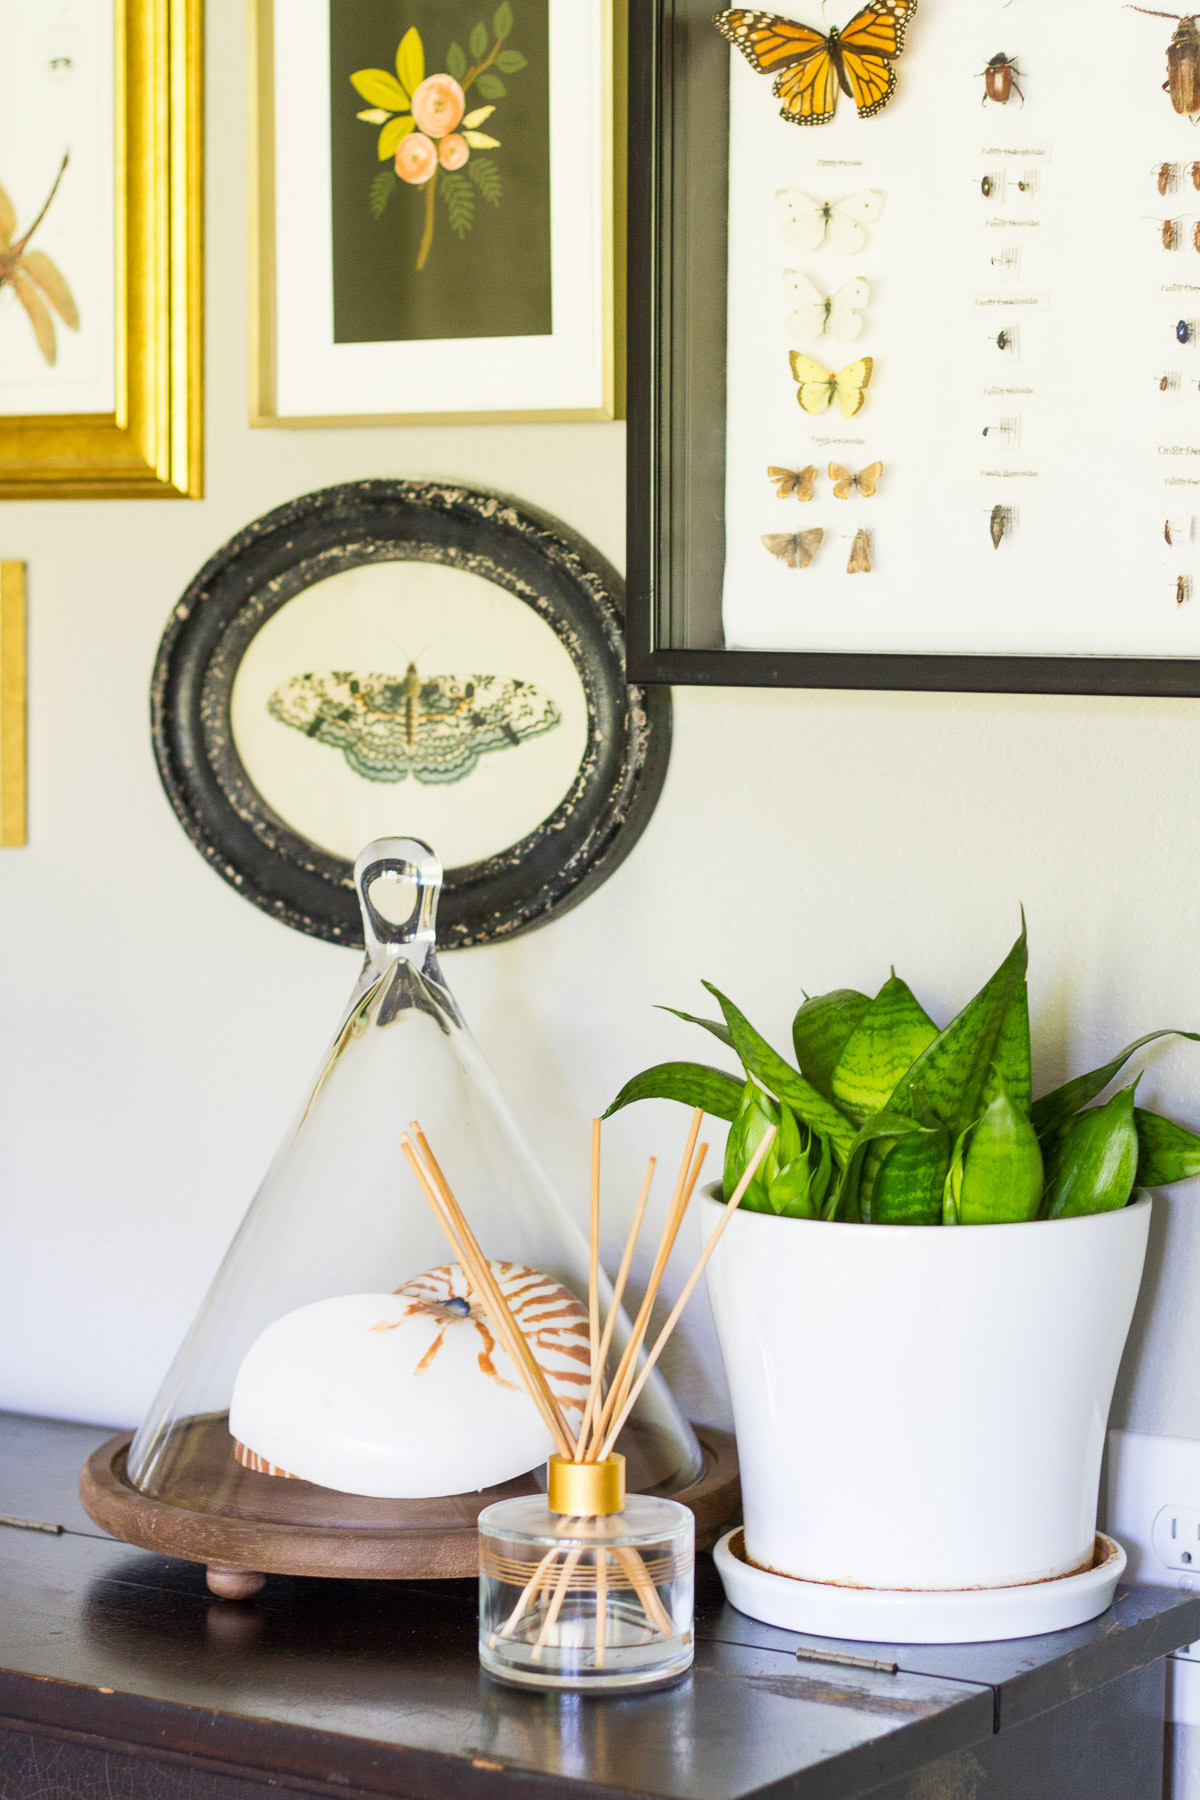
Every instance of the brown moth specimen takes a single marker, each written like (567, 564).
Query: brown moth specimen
(998, 525)
(797, 482)
(32, 276)
(1183, 60)
(860, 553)
(795, 548)
(1000, 80)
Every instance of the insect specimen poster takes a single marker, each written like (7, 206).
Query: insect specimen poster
(435, 209)
(414, 695)
(963, 346)
(57, 196)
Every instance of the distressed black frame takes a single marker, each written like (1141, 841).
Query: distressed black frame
(678, 209)
(525, 552)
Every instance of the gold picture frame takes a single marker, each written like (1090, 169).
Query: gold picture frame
(614, 126)
(12, 703)
(150, 446)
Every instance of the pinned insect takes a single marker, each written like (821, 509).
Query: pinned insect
(1196, 235)
(1183, 589)
(1170, 234)
(1168, 538)
(1183, 331)
(795, 548)
(791, 483)
(1168, 175)
(1000, 80)
(1169, 383)
(987, 187)
(1194, 172)
(1006, 340)
(847, 482)
(860, 553)
(1183, 60)
(1000, 524)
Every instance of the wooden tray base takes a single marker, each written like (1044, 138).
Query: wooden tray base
(240, 1552)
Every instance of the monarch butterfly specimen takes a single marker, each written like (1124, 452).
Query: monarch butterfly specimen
(820, 388)
(810, 65)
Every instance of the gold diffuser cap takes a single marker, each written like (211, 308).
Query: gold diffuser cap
(587, 1490)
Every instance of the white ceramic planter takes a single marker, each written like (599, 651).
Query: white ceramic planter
(920, 1408)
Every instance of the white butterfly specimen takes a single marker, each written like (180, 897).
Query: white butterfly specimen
(814, 313)
(805, 221)
(435, 727)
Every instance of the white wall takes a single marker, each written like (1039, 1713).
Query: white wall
(156, 1031)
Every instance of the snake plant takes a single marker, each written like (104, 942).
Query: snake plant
(882, 1119)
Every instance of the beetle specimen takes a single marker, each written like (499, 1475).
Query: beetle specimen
(1183, 60)
(1183, 589)
(1170, 234)
(1194, 172)
(1167, 176)
(999, 80)
(1183, 331)
(987, 187)
(1167, 533)
(1006, 340)
(999, 524)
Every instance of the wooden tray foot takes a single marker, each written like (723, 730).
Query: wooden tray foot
(234, 1584)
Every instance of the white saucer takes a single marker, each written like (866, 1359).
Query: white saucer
(894, 1616)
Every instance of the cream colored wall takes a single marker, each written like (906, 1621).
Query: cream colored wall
(157, 1031)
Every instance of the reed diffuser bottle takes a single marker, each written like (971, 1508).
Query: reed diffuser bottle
(586, 1588)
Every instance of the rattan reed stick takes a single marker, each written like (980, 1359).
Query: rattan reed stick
(499, 1308)
(596, 1385)
(594, 1251)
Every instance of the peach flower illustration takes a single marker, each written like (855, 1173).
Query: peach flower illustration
(416, 159)
(453, 151)
(438, 105)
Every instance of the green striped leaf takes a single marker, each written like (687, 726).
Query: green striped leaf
(720, 1031)
(1055, 1109)
(786, 1083)
(821, 1030)
(1166, 1152)
(887, 1041)
(693, 1084)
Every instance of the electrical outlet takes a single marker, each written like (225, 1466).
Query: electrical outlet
(1175, 1537)
(1154, 1507)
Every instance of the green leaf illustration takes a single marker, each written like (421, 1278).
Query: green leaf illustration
(511, 62)
(502, 23)
(486, 176)
(381, 192)
(460, 202)
(456, 61)
(479, 41)
(410, 61)
(491, 87)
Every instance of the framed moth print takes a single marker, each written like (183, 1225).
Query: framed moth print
(100, 241)
(914, 349)
(437, 223)
(412, 658)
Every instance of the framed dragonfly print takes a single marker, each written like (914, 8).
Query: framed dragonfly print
(914, 378)
(400, 657)
(100, 249)
(438, 216)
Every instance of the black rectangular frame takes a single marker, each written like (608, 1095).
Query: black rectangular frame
(677, 317)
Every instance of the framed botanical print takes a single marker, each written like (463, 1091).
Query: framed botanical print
(437, 222)
(100, 249)
(914, 349)
(12, 703)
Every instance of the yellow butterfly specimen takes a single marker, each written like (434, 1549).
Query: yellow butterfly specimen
(795, 548)
(860, 553)
(794, 481)
(845, 483)
(820, 389)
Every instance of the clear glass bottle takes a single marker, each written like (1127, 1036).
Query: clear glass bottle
(590, 1601)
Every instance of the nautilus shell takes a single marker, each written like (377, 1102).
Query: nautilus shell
(409, 1395)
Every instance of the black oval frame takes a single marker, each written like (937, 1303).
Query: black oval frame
(525, 552)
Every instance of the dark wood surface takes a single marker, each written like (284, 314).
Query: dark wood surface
(120, 1675)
